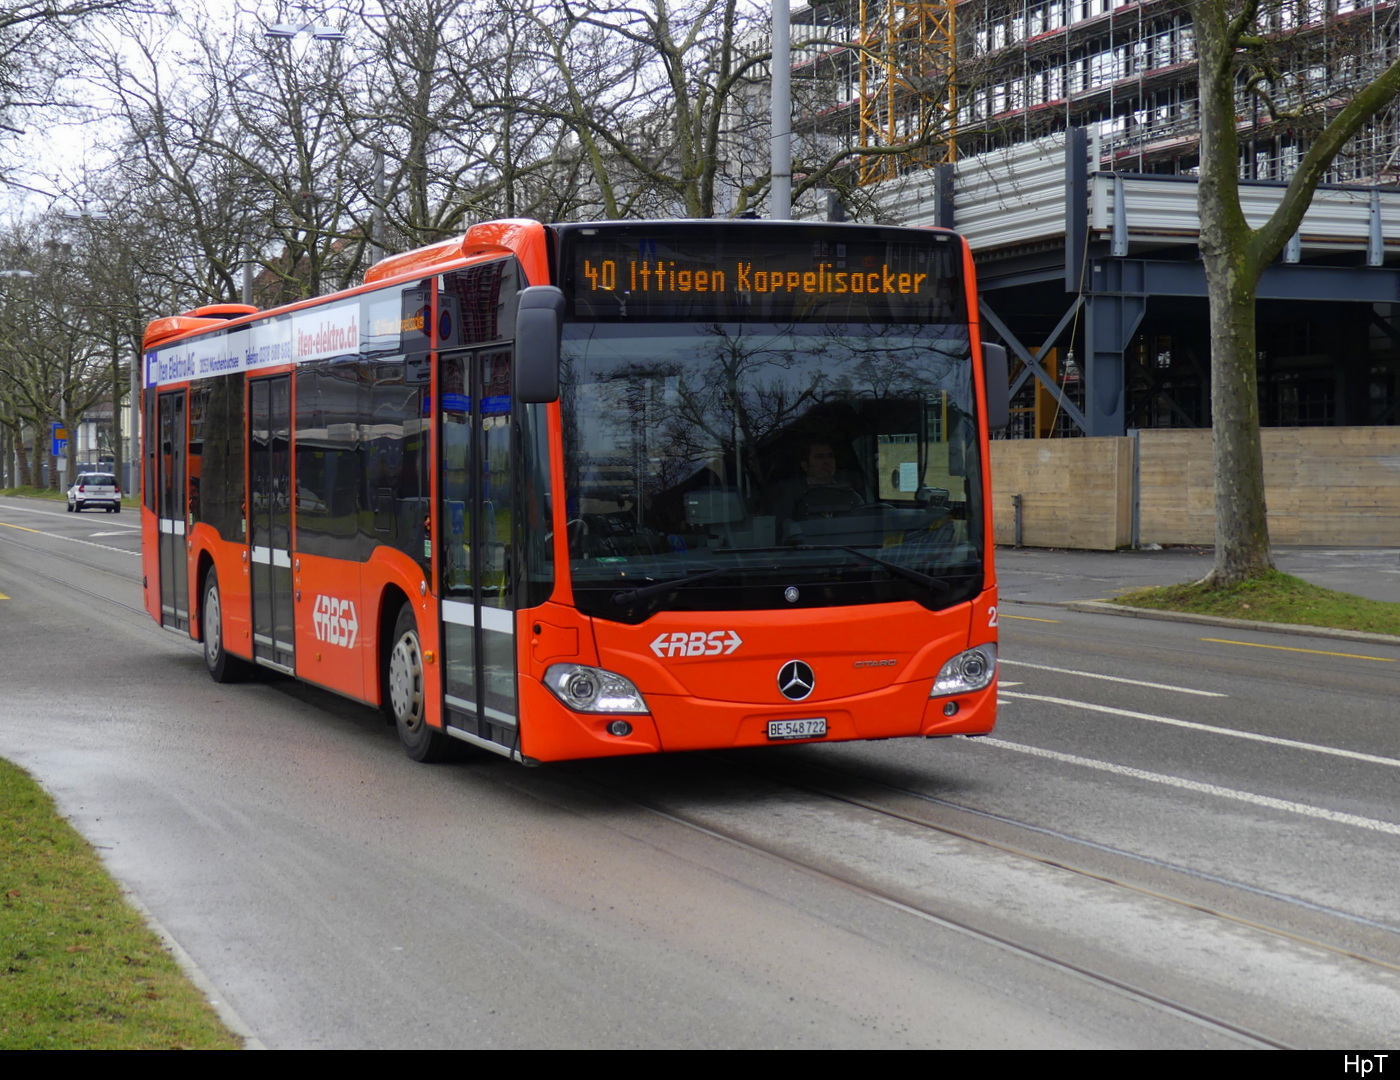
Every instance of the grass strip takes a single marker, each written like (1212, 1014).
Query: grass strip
(1275, 598)
(37, 493)
(79, 969)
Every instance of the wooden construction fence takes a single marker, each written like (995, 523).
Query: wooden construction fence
(1323, 486)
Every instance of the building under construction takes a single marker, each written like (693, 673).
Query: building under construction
(1062, 137)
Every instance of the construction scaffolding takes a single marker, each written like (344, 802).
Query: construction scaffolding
(1027, 68)
(894, 64)
(923, 82)
(1067, 136)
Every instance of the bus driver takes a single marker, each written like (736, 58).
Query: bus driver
(821, 491)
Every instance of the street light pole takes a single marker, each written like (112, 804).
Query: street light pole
(133, 450)
(780, 190)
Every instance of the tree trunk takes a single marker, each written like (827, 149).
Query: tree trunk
(70, 448)
(25, 477)
(1241, 526)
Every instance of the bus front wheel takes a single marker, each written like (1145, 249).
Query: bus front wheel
(223, 668)
(404, 699)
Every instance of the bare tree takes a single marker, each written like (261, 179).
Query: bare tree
(166, 161)
(647, 93)
(249, 146)
(50, 345)
(1234, 41)
(405, 121)
(669, 109)
(35, 39)
(312, 157)
(436, 113)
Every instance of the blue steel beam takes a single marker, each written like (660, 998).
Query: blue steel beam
(1032, 364)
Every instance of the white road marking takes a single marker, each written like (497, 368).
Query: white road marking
(1205, 789)
(72, 539)
(65, 514)
(1114, 678)
(1272, 740)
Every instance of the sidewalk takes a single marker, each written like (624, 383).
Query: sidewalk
(1039, 576)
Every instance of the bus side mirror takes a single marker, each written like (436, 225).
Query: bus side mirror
(539, 320)
(994, 375)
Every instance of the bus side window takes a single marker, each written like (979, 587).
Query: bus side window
(457, 474)
(396, 452)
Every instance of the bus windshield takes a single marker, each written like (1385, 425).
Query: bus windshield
(748, 465)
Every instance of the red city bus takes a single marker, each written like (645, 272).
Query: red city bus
(579, 490)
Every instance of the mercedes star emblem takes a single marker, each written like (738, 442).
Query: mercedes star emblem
(796, 680)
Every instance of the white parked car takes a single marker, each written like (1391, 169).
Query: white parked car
(95, 489)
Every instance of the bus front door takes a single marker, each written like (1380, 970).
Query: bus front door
(172, 512)
(270, 475)
(476, 530)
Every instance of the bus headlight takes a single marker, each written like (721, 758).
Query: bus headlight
(590, 689)
(968, 671)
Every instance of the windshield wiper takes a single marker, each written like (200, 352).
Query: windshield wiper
(916, 576)
(628, 597)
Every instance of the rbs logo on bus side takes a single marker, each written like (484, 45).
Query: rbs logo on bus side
(335, 621)
(697, 643)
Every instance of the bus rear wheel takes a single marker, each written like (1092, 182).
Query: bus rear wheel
(404, 699)
(223, 668)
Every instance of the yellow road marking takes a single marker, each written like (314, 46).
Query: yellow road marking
(1315, 652)
(3, 596)
(21, 528)
(1027, 618)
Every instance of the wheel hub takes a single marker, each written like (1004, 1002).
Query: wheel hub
(213, 629)
(406, 681)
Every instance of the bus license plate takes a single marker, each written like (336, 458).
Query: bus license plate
(797, 729)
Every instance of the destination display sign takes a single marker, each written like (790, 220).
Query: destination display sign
(738, 272)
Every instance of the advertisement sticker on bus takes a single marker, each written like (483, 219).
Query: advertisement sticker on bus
(324, 332)
(316, 334)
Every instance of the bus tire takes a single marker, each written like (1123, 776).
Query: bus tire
(223, 668)
(404, 700)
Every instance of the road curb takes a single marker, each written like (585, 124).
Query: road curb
(1100, 607)
(205, 985)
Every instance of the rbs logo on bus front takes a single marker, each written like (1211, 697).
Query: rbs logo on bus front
(696, 643)
(335, 621)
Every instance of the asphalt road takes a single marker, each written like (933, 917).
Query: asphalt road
(1177, 837)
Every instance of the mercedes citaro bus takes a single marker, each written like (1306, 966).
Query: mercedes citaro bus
(566, 491)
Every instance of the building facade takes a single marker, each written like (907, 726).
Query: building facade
(1067, 154)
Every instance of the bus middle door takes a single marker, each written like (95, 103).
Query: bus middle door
(172, 511)
(270, 476)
